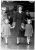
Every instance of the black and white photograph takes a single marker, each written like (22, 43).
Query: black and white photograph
(17, 25)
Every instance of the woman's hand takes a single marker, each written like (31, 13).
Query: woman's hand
(13, 25)
(22, 25)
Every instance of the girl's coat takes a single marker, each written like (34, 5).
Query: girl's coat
(6, 30)
(28, 30)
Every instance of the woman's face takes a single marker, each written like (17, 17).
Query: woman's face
(20, 8)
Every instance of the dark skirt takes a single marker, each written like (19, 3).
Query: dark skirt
(21, 33)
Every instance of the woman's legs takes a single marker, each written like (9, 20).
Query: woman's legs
(21, 34)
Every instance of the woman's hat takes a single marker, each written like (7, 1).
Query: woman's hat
(18, 6)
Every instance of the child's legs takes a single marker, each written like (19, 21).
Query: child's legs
(18, 40)
(28, 39)
(6, 39)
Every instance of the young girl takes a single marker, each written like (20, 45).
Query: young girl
(6, 30)
(28, 30)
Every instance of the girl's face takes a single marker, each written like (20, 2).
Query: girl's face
(29, 22)
(6, 21)
(3, 10)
